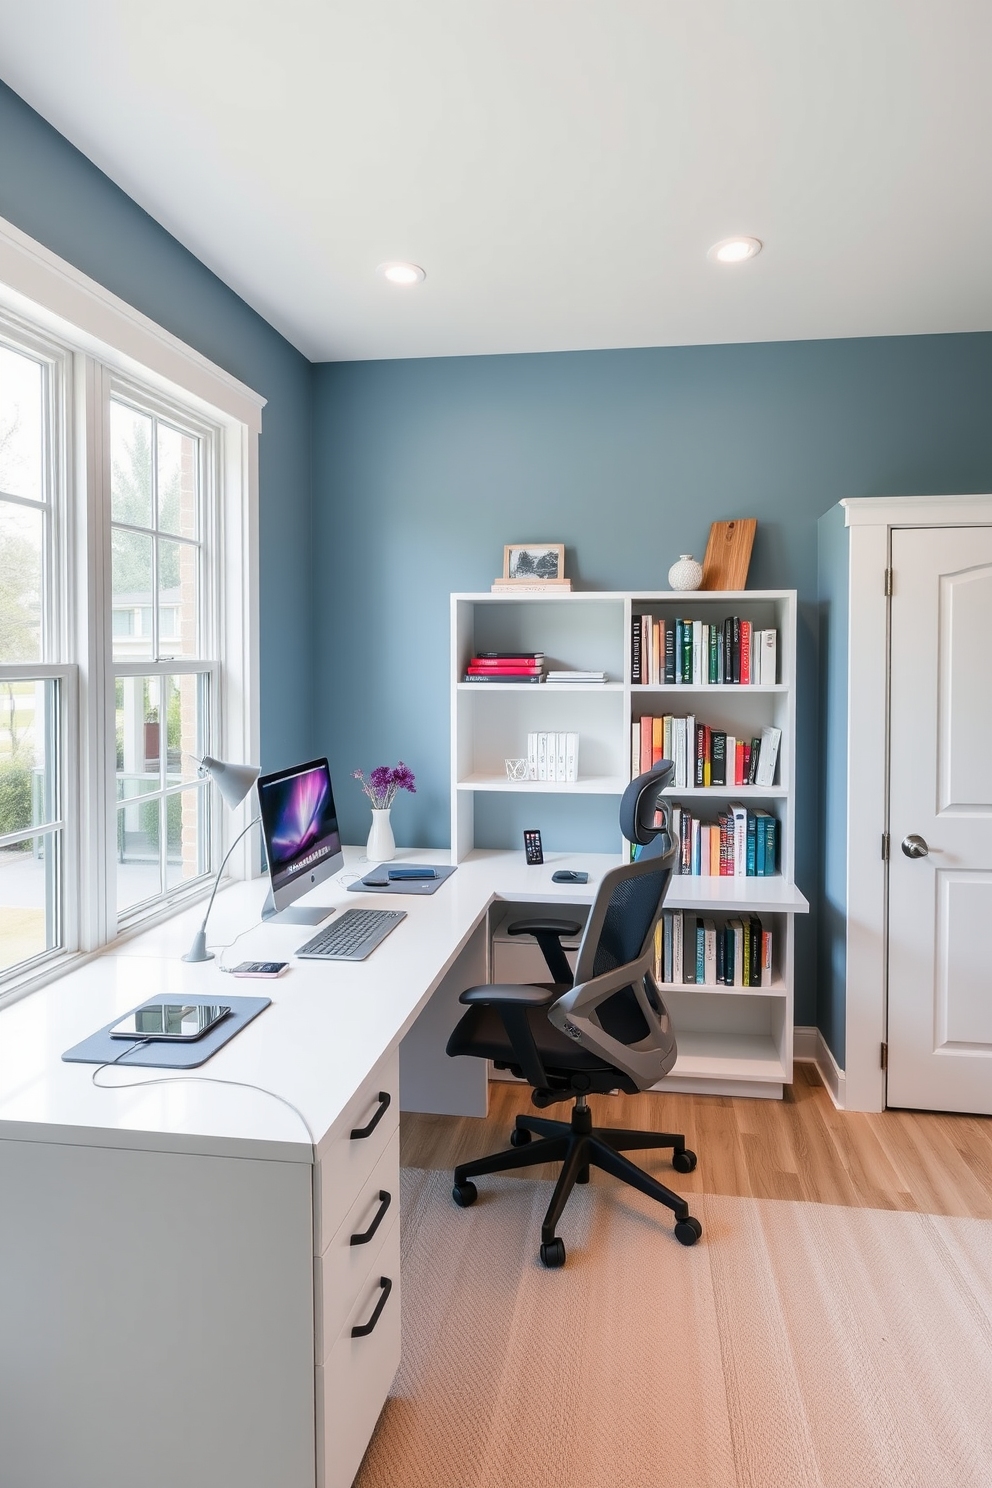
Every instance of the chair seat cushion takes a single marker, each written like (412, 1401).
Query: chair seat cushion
(481, 1033)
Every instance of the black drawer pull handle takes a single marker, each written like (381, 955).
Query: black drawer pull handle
(358, 1132)
(366, 1328)
(366, 1235)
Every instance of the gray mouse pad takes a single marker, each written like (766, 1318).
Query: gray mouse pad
(100, 1048)
(375, 881)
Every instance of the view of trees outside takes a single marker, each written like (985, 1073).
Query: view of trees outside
(25, 930)
(159, 719)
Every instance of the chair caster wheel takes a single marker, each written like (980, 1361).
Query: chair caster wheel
(465, 1194)
(553, 1253)
(519, 1136)
(684, 1161)
(688, 1230)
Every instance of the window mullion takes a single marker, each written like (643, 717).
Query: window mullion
(93, 567)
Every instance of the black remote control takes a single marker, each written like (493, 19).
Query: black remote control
(532, 847)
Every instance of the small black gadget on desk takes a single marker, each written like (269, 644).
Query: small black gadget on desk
(169, 1020)
(532, 848)
(258, 968)
(569, 875)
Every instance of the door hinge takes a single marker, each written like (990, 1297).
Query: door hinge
(885, 847)
(885, 1056)
(888, 583)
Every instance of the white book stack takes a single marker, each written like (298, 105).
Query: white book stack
(553, 756)
(575, 676)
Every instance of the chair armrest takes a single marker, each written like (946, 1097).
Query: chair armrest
(549, 927)
(509, 993)
(548, 934)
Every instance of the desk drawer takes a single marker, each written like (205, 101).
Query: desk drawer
(353, 1382)
(345, 1162)
(342, 1268)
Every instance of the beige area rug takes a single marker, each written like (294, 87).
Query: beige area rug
(795, 1346)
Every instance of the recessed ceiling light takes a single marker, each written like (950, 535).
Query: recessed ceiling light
(401, 273)
(734, 250)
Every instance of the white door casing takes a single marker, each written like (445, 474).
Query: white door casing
(940, 791)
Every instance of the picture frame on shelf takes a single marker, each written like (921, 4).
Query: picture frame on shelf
(530, 563)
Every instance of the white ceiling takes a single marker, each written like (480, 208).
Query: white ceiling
(558, 167)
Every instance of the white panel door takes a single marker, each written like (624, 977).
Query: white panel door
(940, 820)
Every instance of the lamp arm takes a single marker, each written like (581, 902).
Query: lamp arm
(198, 951)
(244, 831)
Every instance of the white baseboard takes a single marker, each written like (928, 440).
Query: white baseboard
(810, 1047)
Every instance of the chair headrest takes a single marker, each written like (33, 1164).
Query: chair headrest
(640, 802)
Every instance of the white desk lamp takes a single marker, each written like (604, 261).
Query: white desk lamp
(234, 782)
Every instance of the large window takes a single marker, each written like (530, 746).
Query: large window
(127, 549)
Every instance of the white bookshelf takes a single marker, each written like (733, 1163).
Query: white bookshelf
(731, 1040)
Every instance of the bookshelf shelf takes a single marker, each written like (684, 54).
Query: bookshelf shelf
(717, 688)
(731, 1039)
(591, 785)
(730, 1057)
(778, 988)
(730, 792)
(544, 687)
(751, 895)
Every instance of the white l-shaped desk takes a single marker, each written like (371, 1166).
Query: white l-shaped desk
(180, 1269)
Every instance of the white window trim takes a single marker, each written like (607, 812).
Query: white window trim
(110, 338)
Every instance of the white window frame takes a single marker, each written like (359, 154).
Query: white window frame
(108, 343)
(208, 603)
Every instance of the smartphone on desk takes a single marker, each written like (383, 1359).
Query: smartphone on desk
(259, 968)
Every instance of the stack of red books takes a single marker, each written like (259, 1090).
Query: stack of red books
(506, 666)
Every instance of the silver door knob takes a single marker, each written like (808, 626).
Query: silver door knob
(914, 846)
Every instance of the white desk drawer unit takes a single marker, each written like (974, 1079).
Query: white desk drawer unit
(354, 1248)
(354, 1380)
(353, 1147)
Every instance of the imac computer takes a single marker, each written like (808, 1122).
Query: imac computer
(302, 842)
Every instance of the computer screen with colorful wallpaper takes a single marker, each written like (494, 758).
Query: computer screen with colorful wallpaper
(300, 831)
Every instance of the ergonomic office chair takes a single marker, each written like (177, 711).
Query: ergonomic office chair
(605, 1030)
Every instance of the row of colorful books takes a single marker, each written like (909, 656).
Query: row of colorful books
(694, 653)
(505, 666)
(703, 756)
(737, 952)
(739, 844)
(553, 756)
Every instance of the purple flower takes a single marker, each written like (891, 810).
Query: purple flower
(403, 778)
(383, 783)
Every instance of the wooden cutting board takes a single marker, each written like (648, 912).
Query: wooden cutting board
(728, 554)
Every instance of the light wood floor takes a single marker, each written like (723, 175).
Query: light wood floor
(801, 1147)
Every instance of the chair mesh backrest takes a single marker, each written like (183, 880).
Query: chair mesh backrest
(629, 916)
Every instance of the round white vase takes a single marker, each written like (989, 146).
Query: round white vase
(381, 846)
(686, 574)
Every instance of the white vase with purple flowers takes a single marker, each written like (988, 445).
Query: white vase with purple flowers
(382, 787)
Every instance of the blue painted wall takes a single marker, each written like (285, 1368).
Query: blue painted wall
(51, 191)
(423, 469)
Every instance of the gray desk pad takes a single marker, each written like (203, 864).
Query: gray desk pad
(100, 1048)
(402, 886)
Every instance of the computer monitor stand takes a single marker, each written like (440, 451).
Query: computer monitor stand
(294, 914)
